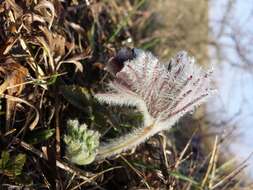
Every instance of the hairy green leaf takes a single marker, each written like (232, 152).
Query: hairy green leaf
(39, 136)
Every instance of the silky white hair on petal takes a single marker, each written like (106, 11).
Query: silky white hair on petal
(163, 93)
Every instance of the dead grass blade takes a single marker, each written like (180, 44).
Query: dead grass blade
(211, 162)
(16, 99)
(43, 8)
(86, 176)
(234, 173)
(136, 171)
(179, 160)
(35, 67)
(74, 60)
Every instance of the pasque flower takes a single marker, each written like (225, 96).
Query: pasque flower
(162, 92)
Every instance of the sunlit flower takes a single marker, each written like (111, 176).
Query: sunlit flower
(162, 92)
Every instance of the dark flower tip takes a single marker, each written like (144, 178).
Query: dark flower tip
(117, 63)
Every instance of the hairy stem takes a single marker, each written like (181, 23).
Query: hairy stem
(126, 142)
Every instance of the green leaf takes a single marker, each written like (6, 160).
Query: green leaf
(150, 44)
(39, 136)
(91, 35)
(78, 96)
(184, 178)
(18, 164)
(12, 166)
(4, 159)
(125, 20)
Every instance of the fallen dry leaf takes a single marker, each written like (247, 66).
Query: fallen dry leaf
(13, 76)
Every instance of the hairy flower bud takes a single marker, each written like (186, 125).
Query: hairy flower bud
(81, 143)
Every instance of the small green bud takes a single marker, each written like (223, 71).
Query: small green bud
(81, 143)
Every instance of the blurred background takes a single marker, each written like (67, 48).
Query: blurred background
(231, 24)
(218, 33)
